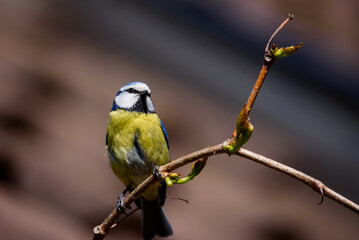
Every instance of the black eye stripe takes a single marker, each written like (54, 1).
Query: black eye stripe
(132, 90)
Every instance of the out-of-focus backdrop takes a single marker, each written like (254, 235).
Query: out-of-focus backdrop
(62, 62)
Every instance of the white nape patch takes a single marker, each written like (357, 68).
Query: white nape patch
(139, 86)
(149, 104)
(126, 100)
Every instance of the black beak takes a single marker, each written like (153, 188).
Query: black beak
(143, 93)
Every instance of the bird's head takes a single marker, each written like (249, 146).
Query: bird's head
(134, 96)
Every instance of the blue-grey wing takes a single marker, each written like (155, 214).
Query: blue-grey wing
(165, 134)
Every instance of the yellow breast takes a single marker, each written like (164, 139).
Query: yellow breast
(136, 144)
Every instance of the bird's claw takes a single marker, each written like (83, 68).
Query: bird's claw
(120, 206)
(157, 173)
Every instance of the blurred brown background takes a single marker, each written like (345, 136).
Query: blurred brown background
(62, 62)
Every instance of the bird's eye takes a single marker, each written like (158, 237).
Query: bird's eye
(131, 90)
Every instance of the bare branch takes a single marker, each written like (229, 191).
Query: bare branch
(269, 60)
(101, 230)
(315, 184)
(257, 86)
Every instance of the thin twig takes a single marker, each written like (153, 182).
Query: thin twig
(290, 17)
(101, 230)
(268, 62)
(257, 86)
(315, 184)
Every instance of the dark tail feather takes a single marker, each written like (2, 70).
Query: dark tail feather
(154, 221)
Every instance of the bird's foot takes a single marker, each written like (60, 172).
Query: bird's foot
(120, 206)
(157, 174)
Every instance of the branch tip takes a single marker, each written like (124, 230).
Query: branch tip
(290, 17)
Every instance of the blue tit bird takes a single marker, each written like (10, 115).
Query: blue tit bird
(136, 142)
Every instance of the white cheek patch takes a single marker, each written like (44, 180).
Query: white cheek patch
(149, 104)
(126, 100)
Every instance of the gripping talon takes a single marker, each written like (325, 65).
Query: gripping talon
(120, 206)
(157, 173)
